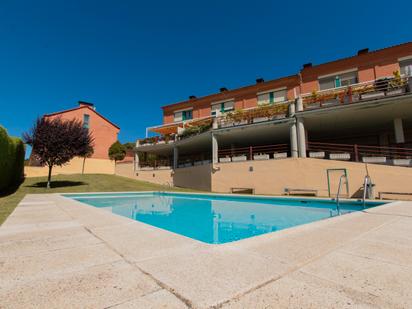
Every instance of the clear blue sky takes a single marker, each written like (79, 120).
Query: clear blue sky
(132, 57)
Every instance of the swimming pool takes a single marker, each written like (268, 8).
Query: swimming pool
(217, 219)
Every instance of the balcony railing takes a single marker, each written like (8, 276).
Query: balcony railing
(254, 115)
(380, 88)
(155, 164)
(361, 153)
(265, 152)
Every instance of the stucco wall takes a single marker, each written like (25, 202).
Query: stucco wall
(273, 176)
(163, 177)
(195, 177)
(103, 132)
(91, 166)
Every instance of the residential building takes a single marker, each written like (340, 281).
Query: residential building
(356, 109)
(104, 133)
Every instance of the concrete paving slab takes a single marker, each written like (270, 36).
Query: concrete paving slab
(300, 290)
(210, 276)
(160, 299)
(16, 270)
(378, 250)
(34, 246)
(390, 282)
(100, 286)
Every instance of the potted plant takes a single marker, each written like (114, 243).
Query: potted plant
(280, 155)
(225, 159)
(396, 84)
(239, 158)
(261, 156)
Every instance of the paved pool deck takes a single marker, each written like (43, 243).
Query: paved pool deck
(59, 253)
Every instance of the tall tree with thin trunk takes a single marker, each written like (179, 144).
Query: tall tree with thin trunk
(56, 141)
(89, 153)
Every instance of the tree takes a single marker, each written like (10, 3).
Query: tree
(56, 141)
(88, 154)
(129, 145)
(117, 151)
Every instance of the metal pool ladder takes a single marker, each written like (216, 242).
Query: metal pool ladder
(337, 194)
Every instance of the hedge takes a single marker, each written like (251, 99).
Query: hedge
(11, 160)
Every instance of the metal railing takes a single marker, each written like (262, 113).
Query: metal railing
(380, 88)
(357, 152)
(256, 152)
(155, 164)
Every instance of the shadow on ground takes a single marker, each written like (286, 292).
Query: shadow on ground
(12, 189)
(58, 184)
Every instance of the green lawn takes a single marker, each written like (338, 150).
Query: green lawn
(74, 183)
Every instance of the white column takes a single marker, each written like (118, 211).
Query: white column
(175, 157)
(293, 141)
(136, 157)
(293, 133)
(215, 148)
(301, 137)
(299, 104)
(399, 134)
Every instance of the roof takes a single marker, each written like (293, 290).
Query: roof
(229, 93)
(80, 107)
(358, 56)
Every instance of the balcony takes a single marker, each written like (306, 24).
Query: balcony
(258, 114)
(170, 133)
(357, 93)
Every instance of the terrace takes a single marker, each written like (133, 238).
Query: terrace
(356, 93)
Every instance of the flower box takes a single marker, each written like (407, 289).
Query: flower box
(261, 157)
(339, 156)
(372, 95)
(402, 162)
(260, 119)
(240, 123)
(239, 158)
(395, 91)
(227, 124)
(163, 167)
(225, 160)
(374, 159)
(317, 154)
(161, 142)
(147, 168)
(280, 155)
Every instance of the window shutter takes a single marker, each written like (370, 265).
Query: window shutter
(263, 98)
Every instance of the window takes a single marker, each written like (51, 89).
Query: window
(183, 115)
(339, 80)
(272, 97)
(406, 67)
(223, 107)
(86, 121)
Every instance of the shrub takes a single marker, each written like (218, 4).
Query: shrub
(11, 160)
(117, 151)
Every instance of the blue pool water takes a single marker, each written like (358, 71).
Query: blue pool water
(216, 219)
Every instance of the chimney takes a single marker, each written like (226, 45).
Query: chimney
(192, 97)
(223, 89)
(259, 80)
(307, 65)
(82, 103)
(363, 51)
